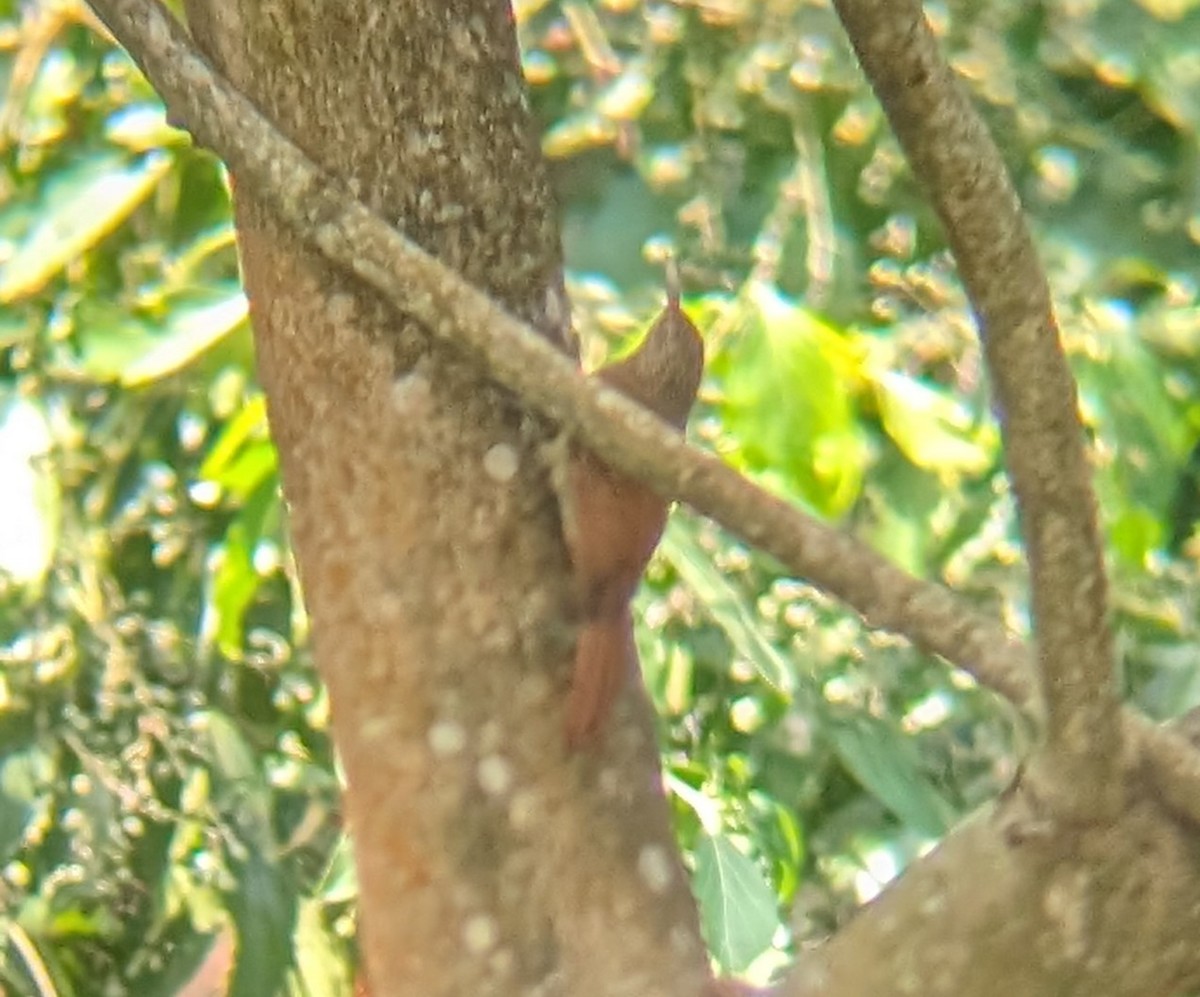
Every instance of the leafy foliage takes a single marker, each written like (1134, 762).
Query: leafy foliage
(167, 772)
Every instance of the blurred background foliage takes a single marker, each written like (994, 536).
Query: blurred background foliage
(167, 783)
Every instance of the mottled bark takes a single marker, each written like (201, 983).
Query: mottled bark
(1009, 904)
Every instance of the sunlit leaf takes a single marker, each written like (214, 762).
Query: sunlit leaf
(142, 127)
(245, 430)
(249, 475)
(626, 97)
(737, 906)
(591, 36)
(234, 585)
(340, 882)
(115, 345)
(578, 133)
(787, 400)
(80, 207)
(785, 843)
(320, 964)
(30, 499)
(189, 331)
(933, 429)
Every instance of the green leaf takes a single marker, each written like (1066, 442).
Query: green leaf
(81, 206)
(110, 339)
(264, 913)
(21, 773)
(1145, 435)
(235, 760)
(234, 585)
(339, 884)
(142, 128)
(1134, 534)
(575, 134)
(255, 466)
(727, 606)
(236, 581)
(787, 401)
(320, 961)
(887, 765)
(133, 350)
(242, 453)
(243, 781)
(900, 512)
(933, 429)
(706, 810)
(31, 497)
(738, 908)
(190, 329)
(782, 839)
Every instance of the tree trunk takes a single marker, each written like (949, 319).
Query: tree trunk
(491, 860)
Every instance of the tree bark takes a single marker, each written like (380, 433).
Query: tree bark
(425, 526)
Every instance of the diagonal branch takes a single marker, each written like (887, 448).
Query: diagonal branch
(621, 432)
(951, 151)
(616, 428)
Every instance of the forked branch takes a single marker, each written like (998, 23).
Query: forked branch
(951, 151)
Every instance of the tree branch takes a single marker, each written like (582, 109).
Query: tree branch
(953, 155)
(621, 432)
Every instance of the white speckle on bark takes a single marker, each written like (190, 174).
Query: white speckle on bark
(479, 933)
(391, 606)
(1066, 901)
(326, 235)
(447, 738)
(495, 775)
(341, 308)
(654, 866)
(502, 962)
(523, 810)
(681, 939)
(610, 782)
(500, 463)
(411, 393)
(377, 729)
(556, 309)
(420, 143)
(464, 45)
(933, 904)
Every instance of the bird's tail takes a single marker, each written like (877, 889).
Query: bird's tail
(604, 659)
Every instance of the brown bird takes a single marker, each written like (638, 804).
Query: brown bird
(614, 522)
